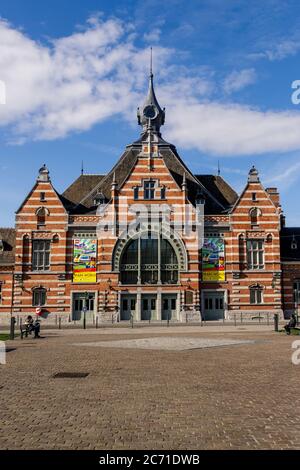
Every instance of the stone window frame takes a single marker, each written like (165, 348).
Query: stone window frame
(256, 296)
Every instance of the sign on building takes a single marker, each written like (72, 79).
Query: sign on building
(84, 260)
(213, 259)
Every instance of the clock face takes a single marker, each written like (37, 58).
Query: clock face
(150, 112)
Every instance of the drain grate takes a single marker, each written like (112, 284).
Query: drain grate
(70, 375)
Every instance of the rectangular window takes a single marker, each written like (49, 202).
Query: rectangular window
(41, 255)
(132, 304)
(256, 296)
(145, 304)
(149, 189)
(153, 304)
(173, 304)
(42, 197)
(136, 193)
(39, 297)
(125, 304)
(166, 304)
(163, 193)
(255, 254)
(253, 196)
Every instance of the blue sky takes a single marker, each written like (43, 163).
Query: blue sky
(75, 71)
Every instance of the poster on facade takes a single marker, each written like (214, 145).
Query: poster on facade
(84, 260)
(213, 259)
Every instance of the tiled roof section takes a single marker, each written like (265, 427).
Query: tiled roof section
(121, 170)
(8, 238)
(219, 188)
(79, 197)
(290, 236)
(219, 196)
(77, 191)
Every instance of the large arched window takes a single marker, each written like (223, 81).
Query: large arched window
(149, 260)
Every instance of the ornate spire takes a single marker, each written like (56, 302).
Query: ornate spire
(151, 116)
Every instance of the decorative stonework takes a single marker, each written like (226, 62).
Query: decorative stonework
(75, 219)
(216, 220)
(42, 235)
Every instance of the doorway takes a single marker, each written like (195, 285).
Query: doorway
(169, 307)
(80, 301)
(213, 305)
(128, 307)
(148, 310)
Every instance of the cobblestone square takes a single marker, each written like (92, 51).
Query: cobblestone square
(235, 396)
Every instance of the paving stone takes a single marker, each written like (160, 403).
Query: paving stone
(232, 397)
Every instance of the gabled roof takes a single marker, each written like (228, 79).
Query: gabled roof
(287, 236)
(8, 239)
(79, 196)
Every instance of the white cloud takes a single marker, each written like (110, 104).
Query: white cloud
(237, 80)
(153, 36)
(77, 81)
(229, 129)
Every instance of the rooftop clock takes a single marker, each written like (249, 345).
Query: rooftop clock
(150, 112)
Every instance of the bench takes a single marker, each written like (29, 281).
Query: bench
(25, 330)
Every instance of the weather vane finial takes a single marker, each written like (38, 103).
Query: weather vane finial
(151, 62)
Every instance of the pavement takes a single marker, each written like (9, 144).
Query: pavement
(237, 390)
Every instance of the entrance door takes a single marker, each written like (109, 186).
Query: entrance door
(213, 306)
(128, 307)
(148, 311)
(80, 301)
(169, 307)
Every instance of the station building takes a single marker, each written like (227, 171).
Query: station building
(149, 241)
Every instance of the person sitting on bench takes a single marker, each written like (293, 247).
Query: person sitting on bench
(33, 326)
(291, 324)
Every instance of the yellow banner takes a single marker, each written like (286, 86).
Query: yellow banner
(84, 277)
(213, 276)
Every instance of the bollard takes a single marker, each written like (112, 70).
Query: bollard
(168, 322)
(276, 322)
(97, 318)
(59, 323)
(235, 319)
(12, 328)
(131, 320)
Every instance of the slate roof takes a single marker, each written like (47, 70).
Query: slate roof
(287, 236)
(79, 196)
(8, 238)
(220, 189)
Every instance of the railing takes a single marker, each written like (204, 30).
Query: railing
(187, 318)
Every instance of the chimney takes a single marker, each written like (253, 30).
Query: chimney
(274, 195)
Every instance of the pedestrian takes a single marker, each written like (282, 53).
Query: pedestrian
(291, 324)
